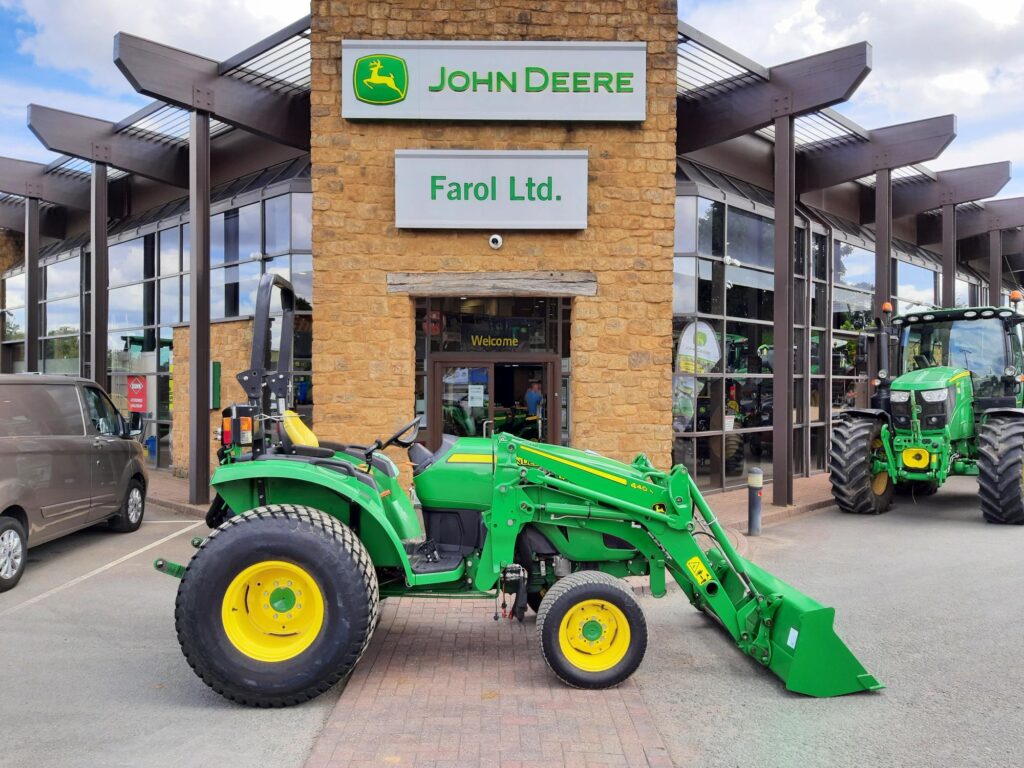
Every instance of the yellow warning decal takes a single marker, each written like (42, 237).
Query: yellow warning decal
(470, 458)
(659, 507)
(959, 376)
(700, 573)
(575, 465)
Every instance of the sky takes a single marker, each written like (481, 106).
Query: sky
(930, 57)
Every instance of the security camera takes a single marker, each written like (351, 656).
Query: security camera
(495, 241)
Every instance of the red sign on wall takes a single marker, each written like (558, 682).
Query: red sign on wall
(137, 394)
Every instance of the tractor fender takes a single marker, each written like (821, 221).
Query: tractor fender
(315, 484)
(988, 413)
(868, 413)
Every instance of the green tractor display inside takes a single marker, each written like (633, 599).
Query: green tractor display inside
(281, 599)
(952, 406)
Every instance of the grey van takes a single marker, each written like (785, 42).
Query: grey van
(67, 461)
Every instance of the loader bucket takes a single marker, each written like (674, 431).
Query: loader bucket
(806, 653)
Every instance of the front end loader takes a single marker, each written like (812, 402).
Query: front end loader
(281, 599)
(954, 406)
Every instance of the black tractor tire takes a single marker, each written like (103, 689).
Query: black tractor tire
(129, 517)
(1001, 470)
(568, 594)
(854, 489)
(326, 551)
(13, 552)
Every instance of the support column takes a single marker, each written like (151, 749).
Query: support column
(32, 284)
(99, 274)
(782, 374)
(199, 299)
(948, 255)
(883, 239)
(995, 267)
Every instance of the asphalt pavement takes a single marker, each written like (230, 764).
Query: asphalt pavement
(91, 673)
(928, 596)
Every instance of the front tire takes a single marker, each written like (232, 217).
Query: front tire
(592, 630)
(1001, 470)
(855, 490)
(129, 517)
(13, 552)
(308, 628)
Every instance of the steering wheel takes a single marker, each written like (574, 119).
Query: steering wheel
(396, 439)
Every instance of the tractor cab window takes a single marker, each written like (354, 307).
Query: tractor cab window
(977, 345)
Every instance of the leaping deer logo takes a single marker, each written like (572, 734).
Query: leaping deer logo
(380, 79)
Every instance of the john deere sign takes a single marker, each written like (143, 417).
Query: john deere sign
(482, 189)
(472, 80)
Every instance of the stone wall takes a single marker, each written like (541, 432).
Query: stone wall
(229, 345)
(363, 354)
(12, 249)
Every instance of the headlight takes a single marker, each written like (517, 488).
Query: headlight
(935, 395)
(883, 374)
(1009, 371)
(899, 396)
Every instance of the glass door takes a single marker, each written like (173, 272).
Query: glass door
(466, 399)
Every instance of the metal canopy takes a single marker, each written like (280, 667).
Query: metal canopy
(993, 216)
(895, 146)
(98, 141)
(21, 177)
(716, 112)
(953, 187)
(193, 82)
(52, 218)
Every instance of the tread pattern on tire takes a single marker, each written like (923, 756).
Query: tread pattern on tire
(348, 540)
(850, 474)
(1000, 457)
(562, 586)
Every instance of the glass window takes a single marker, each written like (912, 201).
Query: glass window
(684, 284)
(854, 266)
(686, 226)
(696, 404)
(170, 290)
(165, 358)
(710, 227)
(277, 218)
(131, 306)
(915, 286)
(100, 413)
(61, 355)
(132, 261)
(250, 241)
(699, 346)
(170, 251)
(40, 409)
(63, 317)
(14, 291)
(132, 351)
(186, 247)
(849, 393)
(302, 280)
(799, 260)
(753, 450)
(302, 221)
(851, 310)
(749, 293)
(749, 402)
(817, 412)
(844, 356)
(818, 349)
(217, 248)
(751, 238)
(186, 296)
(233, 290)
(710, 286)
(63, 278)
(14, 324)
(819, 255)
(963, 294)
(749, 348)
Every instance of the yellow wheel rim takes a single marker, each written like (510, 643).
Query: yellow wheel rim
(879, 483)
(272, 611)
(594, 635)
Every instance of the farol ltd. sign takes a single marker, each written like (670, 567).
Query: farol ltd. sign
(485, 189)
(491, 80)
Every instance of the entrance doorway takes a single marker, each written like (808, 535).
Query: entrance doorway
(476, 396)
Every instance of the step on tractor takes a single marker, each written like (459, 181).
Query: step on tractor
(951, 405)
(280, 600)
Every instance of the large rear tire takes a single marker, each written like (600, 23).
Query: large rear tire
(855, 489)
(1001, 470)
(277, 605)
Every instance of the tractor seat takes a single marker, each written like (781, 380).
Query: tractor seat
(298, 440)
(422, 457)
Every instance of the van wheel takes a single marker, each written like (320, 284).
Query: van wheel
(12, 552)
(129, 518)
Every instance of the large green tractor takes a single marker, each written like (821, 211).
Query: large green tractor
(281, 599)
(952, 406)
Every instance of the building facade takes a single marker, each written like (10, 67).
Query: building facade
(738, 216)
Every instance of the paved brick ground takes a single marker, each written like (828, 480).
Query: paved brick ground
(444, 686)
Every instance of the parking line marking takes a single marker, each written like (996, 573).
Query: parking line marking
(179, 522)
(97, 571)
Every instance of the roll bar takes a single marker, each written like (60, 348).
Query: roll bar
(268, 389)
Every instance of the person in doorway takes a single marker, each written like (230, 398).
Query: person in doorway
(534, 402)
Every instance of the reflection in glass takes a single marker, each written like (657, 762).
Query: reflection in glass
(14, 291)
(128, 306)
(819, 255)
(132, 351)
(14, 324)
(132, 261)
(465, 400)
(709, 286)
(63, 278)
(915, 286)
(302, 221)
(61, 356)
(710, 227)
(751, 238)
(749, 348)
(851, 310)
(684, 283)
(249, 232)
(170, 248)
(749, 401)
(63, 317)
(276, 221)
(854, 267)
(749, 293)
(169, 300)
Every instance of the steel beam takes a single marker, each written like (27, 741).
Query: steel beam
(195, 83)
(782, 370)
(52, 219)
(99, 141)
(949, 255)
(1013, 242)
(199, 317)
(794, 88)
(995, 267)
(20, 177)
(891, 147)
(959, 185)
(883, 240)
(32, 285)
(993, 215)
(98, 275)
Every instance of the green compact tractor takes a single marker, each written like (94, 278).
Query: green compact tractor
(953, 407)
(281, 599)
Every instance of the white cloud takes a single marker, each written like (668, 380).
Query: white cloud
(78, 37)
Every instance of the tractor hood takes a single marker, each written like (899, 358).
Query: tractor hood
(936, 377)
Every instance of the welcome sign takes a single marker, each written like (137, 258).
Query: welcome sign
(484, 189)
(491, 80)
